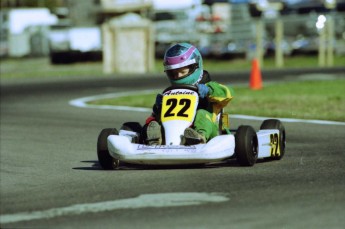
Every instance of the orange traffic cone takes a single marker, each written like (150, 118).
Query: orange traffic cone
(255, 82)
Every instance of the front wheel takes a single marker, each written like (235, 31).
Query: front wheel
(246, 146)
(276, 124)
(106, 161)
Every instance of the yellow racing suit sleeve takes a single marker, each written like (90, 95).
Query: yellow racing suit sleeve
(219, 96)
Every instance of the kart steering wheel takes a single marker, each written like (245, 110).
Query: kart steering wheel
(182, 86)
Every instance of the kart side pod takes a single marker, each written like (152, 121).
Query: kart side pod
(268, 143)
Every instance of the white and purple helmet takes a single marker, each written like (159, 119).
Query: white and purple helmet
(182, 55)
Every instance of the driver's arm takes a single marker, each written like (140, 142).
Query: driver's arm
(219, 95)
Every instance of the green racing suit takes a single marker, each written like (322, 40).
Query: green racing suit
(209, 107)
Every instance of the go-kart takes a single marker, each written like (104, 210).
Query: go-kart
(178, 109)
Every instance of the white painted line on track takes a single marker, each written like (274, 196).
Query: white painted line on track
(159, 200)
(83, 102)
(322, 122)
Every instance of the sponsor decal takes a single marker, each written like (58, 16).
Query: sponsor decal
(176, 92)
(165, 147)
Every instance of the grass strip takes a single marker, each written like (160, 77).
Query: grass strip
(323, 100)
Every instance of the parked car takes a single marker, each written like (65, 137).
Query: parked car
(72, 44)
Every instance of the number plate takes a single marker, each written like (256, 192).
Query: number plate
(178, 107)
(275, 147)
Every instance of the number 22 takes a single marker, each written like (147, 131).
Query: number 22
(173, 103)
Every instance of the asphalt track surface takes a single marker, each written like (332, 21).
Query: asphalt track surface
(49, 169)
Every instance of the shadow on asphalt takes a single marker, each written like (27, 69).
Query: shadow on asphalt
(95, 166)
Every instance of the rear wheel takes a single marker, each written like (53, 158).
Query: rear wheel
(106, 161)
(246, 146)
(276, 124)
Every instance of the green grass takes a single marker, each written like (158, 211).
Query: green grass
(324, 100)
(41, 68)
(33, 68)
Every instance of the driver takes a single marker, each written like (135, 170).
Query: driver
(183, 65)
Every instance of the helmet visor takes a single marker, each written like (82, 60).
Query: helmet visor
(180, 73)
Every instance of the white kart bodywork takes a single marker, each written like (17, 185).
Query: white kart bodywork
(178, 111)
(217, 149)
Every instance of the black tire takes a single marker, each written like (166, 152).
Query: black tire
(276, 124)
(106, 161)
(246, 146)
(132, 126)
(135, 127)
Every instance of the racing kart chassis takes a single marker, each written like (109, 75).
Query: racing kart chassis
(178, 112)
(245, 145)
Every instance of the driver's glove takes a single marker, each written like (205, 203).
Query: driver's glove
(203, 90)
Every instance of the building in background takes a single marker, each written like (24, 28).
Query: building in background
(218, 27)
(24, 31)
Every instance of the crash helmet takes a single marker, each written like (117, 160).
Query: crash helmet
(183, 55)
